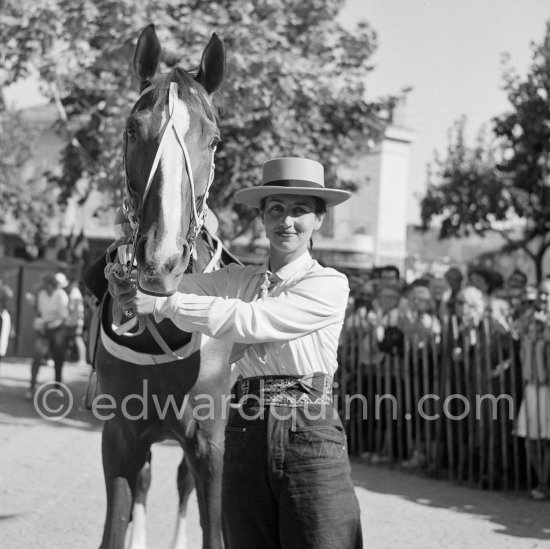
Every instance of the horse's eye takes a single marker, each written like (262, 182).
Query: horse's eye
(131, 132)
(214, 143)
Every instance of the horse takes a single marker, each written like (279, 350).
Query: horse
(154, 377)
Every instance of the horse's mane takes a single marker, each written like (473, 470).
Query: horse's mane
(211, 104)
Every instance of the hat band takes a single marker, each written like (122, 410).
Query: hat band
(293, 183)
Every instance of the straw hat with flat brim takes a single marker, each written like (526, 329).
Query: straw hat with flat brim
(291, 175)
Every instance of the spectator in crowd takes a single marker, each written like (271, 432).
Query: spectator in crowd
(384, 320)
(515, 295)
(471, 306)
(441, 293)
(454, 277)
(487, 282)
(364, 298)
(6, 310)
(533, 421)
(389, 273)
(482, 279)
(75, 321)
(52, 309)
(421, 318)
(383, 339)
(517, 280)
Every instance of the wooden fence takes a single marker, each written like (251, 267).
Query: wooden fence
(446, 404)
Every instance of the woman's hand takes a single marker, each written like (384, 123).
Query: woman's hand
(129, 298)
(124, 291)
(144, 304)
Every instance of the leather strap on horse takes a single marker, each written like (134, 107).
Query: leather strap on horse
(116, 272)
(198, 217)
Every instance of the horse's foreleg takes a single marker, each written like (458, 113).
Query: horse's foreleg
(121, 466)
(204, 452)
(136, 537)
(185, 487)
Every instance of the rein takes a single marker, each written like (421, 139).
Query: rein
(117, 271)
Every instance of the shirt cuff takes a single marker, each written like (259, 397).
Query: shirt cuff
(160, 303)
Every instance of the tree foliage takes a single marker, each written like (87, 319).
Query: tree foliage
(503, 185)
(295, 85)
(21, 189)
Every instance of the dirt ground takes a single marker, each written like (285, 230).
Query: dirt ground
(52, 495)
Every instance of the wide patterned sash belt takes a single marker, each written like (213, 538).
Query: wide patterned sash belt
(284, 390)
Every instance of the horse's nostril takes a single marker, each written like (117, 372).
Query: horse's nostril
(172, 263)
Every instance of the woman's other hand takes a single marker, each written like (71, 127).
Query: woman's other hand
(143, 304)
(124, 291)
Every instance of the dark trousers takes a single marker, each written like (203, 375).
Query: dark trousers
(53, 342)
(286, 480)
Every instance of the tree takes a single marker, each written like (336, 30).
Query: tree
(21, 189)
(501, 186)
(295, 86)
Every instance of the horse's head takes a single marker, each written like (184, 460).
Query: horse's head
(169, 145)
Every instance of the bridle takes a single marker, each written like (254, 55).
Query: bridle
(130, 208)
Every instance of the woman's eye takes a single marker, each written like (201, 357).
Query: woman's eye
(213, 143)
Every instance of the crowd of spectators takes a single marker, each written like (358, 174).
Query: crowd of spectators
(382, 298)
(467, 305)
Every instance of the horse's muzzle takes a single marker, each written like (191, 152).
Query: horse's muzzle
(159, 275)
(159, 286)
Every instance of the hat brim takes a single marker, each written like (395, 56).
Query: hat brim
(252, 196)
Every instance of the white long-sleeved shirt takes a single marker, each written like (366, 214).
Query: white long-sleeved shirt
(293, 331)
(54, 308)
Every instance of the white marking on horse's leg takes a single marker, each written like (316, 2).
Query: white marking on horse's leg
(128, 537)
(180, 535)
(137, 529)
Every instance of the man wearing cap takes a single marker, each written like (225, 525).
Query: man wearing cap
(286, 479)
(52, 309)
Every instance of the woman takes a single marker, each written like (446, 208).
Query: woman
(286, 480)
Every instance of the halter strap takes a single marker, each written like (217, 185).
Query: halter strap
(197, 217)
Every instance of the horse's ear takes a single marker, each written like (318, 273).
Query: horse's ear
(212, 69)
(147, 55)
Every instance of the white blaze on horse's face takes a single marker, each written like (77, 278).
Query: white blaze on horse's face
(169, 238)
(170, 165)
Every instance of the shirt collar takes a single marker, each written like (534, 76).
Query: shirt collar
(294, 267)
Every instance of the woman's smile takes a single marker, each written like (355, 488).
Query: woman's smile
(286, 233)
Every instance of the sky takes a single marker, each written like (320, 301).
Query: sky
(450, 52)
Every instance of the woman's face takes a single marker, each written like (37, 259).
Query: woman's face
(290, 221)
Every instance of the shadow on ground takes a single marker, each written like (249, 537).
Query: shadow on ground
(512, 513)
(17, 408)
